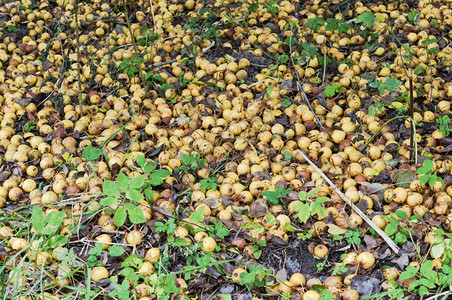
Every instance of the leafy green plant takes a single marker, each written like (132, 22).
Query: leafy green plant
(30, 125)
(353, 237)
(168, 227)
(315, 23)
(413, 17)
(337, 24)
(129, 65)
(390, 85)
(256, 231)
(274, 197)
(255, 276)
(426, 277)
(339, 269)
(48, 225)
(191, 163)
(445, 126)
(308, 207)
(96, 251)
(367, 18)
(332, 89)
(427, 176)
(127, 192)
(91, 153)
(396, 228)
(209, 183)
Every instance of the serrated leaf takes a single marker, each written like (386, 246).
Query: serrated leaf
(123, 182)
(137, 182)
(120, 216)
(90, 153)
(367, 18)
(392, 84)
(134, 195)
(110, 188)
(108, 201)
(331, 89)
(136, 215)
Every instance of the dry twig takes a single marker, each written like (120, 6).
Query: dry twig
(383, 235)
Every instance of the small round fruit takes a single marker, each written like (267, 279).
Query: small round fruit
(391, 273)
(208, 244)
(146, 269)
(380, 221)
(350, 294)
(366, 259)
(320, 251)
(134, 237)
(152, 255)
(311, 295)
(297, 279)
(236, 274)
(105, 240)
(99, 273)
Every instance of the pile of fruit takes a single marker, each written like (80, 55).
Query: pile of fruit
(234, 149)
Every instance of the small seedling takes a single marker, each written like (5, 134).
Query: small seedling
(427, 175)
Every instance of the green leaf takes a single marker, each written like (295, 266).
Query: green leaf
(109, 188)
(57, 240)
(315, 23)
(97, 250)
(123, 182)
(401, 214)
(132, 261)
(149, 167)
(413, 17)
(408, 273)
(392, 84)
(115, 250)
(197, 215)
(424, 178)
(419, 70)
(304, 213)
(367, 18)
(390, 229)
(141, 161)
(136, 215)
(38, 219)
(156, 177)
(108, 201)
(332, 88)
(271, 197)
(137, 182)
(90, 153)
(120, 216)
(134, 195)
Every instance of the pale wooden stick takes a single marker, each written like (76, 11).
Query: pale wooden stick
(383, 235)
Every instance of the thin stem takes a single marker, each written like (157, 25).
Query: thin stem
(378, 131)
(80, 98)
(413, 132)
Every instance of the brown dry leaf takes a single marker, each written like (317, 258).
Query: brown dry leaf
(372, 242)
(257, 210)
(281, 275)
